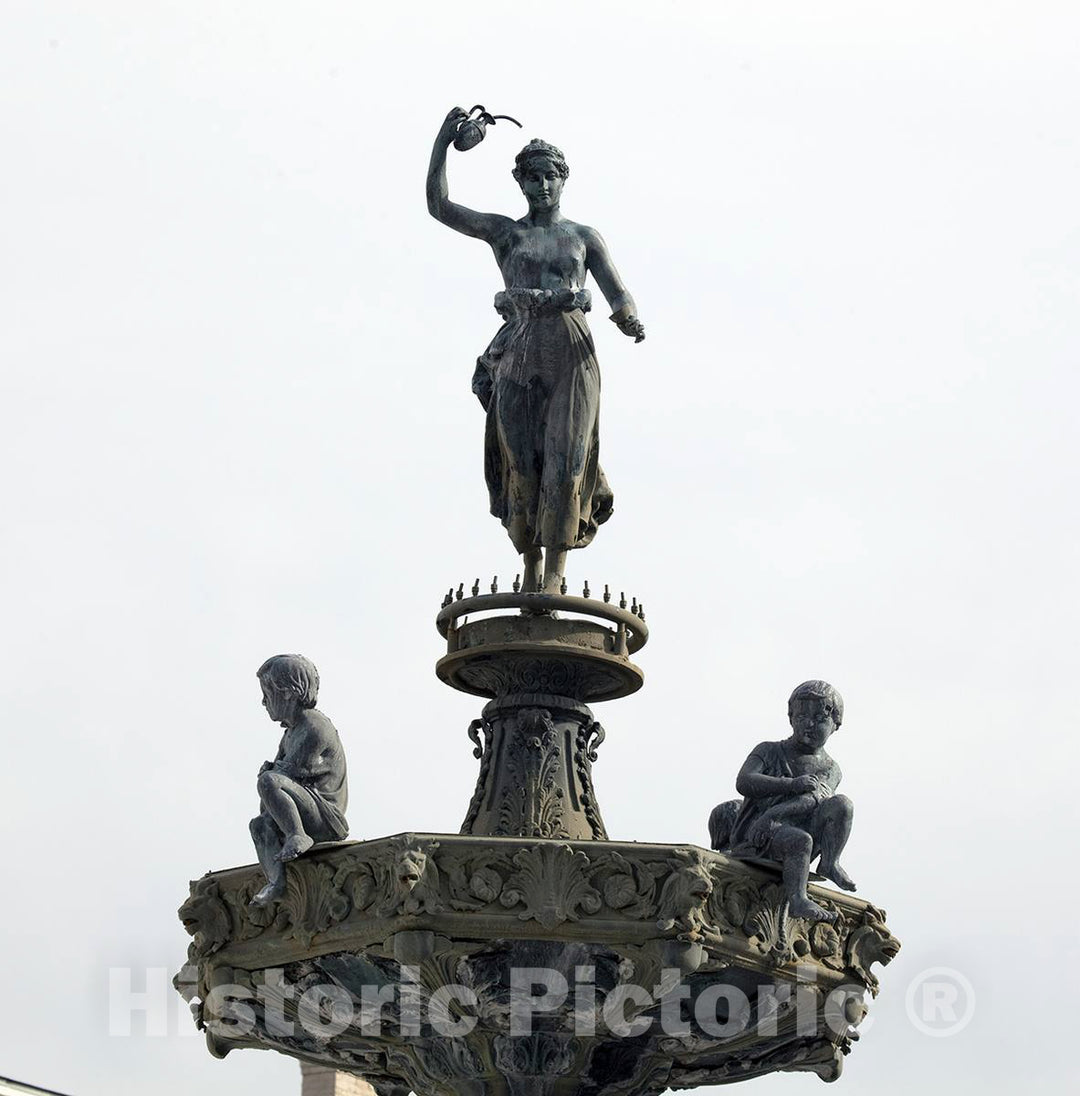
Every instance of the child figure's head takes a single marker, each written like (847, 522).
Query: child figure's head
(815, 710)
(289, 683)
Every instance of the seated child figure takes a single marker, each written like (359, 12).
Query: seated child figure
(790, 811)
(303, 791)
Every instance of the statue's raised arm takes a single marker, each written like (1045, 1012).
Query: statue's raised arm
(484, 226)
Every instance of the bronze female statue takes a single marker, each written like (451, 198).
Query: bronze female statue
(538, 379)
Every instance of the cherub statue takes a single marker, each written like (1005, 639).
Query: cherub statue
(303, 791)
(539, 380)
(790, 811)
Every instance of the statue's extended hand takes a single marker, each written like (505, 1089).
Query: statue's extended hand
(634, 327)
(804, 785)
(449, 128)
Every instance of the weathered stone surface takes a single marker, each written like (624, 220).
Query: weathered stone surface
(542, 648)
(537, 738)
(790, 811)
(326, 1081)
(535, 778)
(538, 380)
(408, 960)
(458, 910)
(303, 792)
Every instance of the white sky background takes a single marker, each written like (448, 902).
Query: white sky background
(237, 420)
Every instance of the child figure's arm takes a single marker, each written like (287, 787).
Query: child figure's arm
(317, 752)
(753, 783)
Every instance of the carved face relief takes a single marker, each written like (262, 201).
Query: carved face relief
(871, 943)
(206, 918)
(541, 184)
(410, 869)
(812, 722)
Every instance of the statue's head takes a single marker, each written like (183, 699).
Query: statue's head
(289, 683)
(815, 710)
(540, 170)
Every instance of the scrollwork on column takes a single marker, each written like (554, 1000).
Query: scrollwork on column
(589, 737)
(483, 752)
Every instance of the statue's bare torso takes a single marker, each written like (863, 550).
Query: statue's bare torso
(549, 256)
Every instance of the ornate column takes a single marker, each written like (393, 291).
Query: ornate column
(536, 738)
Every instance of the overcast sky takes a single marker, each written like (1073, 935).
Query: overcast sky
(237, 420)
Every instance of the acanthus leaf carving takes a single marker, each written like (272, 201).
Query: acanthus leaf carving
(731, 901)
(356, 878)
(812, 1054)
(629, 887)
(532, 802)
(311, 902)
(541, 1054)
(552, 882)
(440, 1060)
(771, 926)
(473, 882)
(826, 945)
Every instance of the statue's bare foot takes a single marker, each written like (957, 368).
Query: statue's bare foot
(294, 846)
(270, 893)
(837, 875)
(809, 911)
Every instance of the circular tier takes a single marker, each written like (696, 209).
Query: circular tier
(535, 651)
(544, 606)
(496, 670)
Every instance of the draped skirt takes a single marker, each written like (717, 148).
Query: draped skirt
(540, 383)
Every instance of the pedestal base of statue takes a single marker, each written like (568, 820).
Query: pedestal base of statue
(529, 955)
(536, 738)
